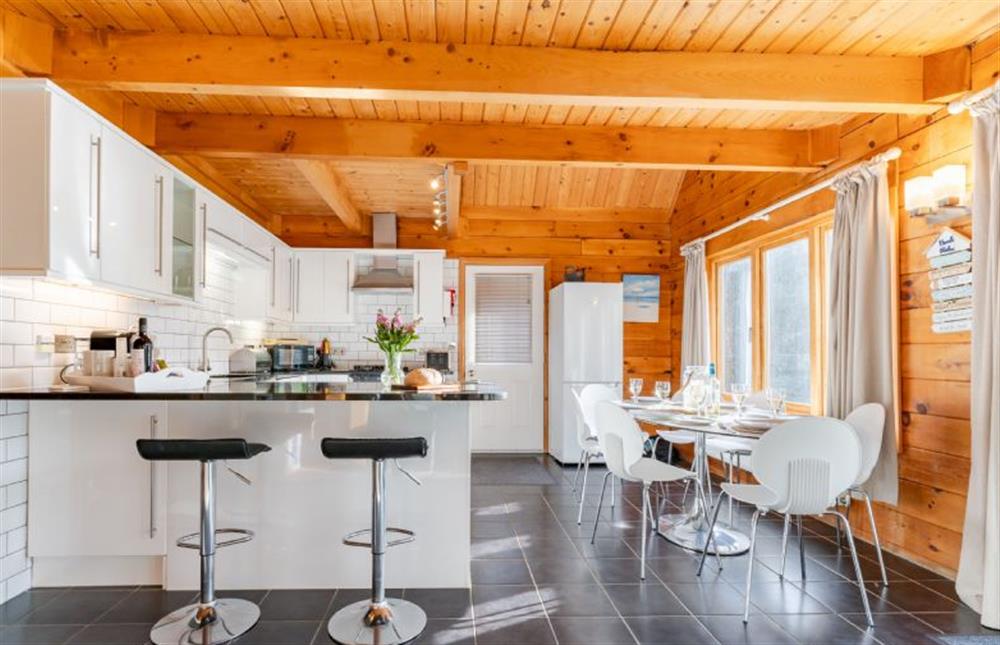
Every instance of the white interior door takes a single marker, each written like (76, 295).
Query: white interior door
(504, 344)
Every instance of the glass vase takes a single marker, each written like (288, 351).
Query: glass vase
(392, 373)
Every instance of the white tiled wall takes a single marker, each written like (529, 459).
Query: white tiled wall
(33, 308)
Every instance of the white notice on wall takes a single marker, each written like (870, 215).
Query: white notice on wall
(950, 257)
(952, 327)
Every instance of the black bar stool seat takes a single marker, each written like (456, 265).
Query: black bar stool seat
(379, 620)
(211, 620)
(198, 449)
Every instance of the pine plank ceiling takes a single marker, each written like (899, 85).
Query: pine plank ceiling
(835, 27)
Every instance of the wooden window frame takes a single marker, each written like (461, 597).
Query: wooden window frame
(814, 230)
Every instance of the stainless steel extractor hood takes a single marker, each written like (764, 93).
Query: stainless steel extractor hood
(384, 276)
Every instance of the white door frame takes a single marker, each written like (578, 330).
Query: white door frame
(538, 299)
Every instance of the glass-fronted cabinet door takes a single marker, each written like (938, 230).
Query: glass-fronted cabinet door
(184, 239)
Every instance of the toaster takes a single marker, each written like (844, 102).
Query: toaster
(249, 360)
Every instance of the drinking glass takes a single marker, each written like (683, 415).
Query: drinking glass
(662, 390)
(699, 397)
(739, 391)
(635, 388)
(775, 400)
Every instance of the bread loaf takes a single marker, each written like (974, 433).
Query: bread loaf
(423, 376)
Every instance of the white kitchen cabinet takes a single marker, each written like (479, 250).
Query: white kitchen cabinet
(224, 221)
(91, 494)
(282, 283)
(183, 229)
(428, 285)
(322, 292)
(50, 157)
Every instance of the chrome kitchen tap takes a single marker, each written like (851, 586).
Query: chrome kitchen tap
(206, 366)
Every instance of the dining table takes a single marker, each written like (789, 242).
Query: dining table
(689, 529)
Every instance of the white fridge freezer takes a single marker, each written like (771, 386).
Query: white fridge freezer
(585, 346)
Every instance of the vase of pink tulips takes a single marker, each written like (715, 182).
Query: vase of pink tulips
(393, 337)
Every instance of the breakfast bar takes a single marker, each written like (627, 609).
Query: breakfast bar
(101, 515)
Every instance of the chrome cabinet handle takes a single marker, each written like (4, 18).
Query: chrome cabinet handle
(95, 197)
(347, 292)
(291, 284)
(298, 285)
(274, 276)
(153, 422)
(159, 226)
(204, 244)
(416, 286)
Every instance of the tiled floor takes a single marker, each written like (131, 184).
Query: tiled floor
(537, 579)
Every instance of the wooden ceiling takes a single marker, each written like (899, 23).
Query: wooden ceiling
(876, 28)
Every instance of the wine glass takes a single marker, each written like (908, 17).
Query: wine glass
(662, 390)
(739, 392)
(699, 397)
(775, 400)
(635, 388)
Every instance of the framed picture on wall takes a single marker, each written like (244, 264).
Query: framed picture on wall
(642, 297)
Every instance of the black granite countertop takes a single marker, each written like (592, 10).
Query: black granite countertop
(253, 389)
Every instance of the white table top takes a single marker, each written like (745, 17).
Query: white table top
(671, 415)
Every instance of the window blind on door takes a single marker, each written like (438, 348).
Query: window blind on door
(503, 318)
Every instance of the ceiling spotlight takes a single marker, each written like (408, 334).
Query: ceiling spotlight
(437, 183)
(437, 209)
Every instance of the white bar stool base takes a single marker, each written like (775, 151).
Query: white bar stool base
(233, 617)
(691, 532)
(347, 626)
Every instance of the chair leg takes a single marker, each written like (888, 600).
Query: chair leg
(753, 546)
(600, 504)
(802, 550)
(784, 547)
(729, 478)
(710, 539)
(857, 570)
(579, 464)
(583, 488)
(878, 546)
(645, 515)
(687, 485)
(612, 491)
(836, 524)
(670, 453)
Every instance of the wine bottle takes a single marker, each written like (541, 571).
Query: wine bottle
(143, 344)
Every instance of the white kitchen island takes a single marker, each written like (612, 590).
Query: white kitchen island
(100, 515)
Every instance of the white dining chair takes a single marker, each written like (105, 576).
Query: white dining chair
(674, 437)
(802, 466)
(868, 421)
(587, 435)
(623, 442)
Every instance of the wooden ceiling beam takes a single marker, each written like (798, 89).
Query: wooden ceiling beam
(251, 136)
(25, 45)
(318, 68)
(328, 184)
(453, 173)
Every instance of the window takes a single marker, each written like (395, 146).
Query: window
(787, 319)
(503, 318)
(769, 308)
(735, 323)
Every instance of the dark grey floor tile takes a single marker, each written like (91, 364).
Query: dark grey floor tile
(147, 606)
(622, 571)
(559, 548)
(281, 632)
(75, 607)
(843, 565)
(442, 603)
(645, 600)
(711, 598)
(496, 548)
(500, 572)
(508, 631)
(592, 631)
(491, 529)
(252, 595)
(759, 630)
(844, 597)
(734, 570)
(561, 571)
(912, 596)
(960, 621)
(447, 631)
(944, 587)
(828, 629)
(670, 629)
(680, 569)
(15, 609)
(656, 547)
(793, 569)
(296, 604)
(576, 600)
(909, 569)
(897, 629)
(785, 598)
(113, 634)
(495, 602)
(37, 634)
(604, 547)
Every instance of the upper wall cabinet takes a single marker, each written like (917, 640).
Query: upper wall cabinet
(322, 292)
(428, 287)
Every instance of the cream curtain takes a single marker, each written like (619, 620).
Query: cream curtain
(978, 582)
(695, 348)
(860, 366)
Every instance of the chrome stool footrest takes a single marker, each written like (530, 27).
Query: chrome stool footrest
(408, 536)
(193, 540)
